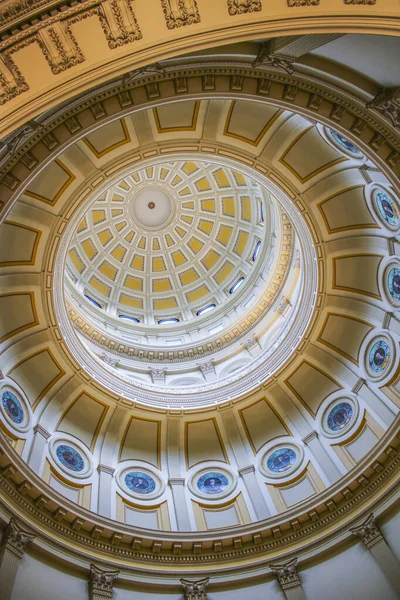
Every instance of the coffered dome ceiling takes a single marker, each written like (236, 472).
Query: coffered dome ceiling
(169, 240)
(123, 394)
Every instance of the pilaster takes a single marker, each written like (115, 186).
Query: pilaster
(177, 485)
(253, 489)
(104, 498)
(373, 539)
(13, 546)
(329, 468)
(40, 437)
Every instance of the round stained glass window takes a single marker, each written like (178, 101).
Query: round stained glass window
(340, 416)
(379, 356)
(70, 458)
(281, 460)
(344, 142)
(212, 483)
(139, 482)
(12, 407)
(387, 208)
(393, 283)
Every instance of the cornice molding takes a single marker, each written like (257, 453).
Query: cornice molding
(316, 520)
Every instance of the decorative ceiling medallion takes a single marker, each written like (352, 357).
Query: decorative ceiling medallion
(281, 459)
(142, 483)
(70, 457)
(343, 144)
(14, 408)
(152, 208)
(386, 208)
(212, 483)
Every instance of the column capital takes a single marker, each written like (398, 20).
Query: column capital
(101, 582)
(368, 531)
(246, 470)
(286, 574)
(176, 481)
(39, 429)
(313, 435)
(195, 590)
(16, 538)
(105, 469)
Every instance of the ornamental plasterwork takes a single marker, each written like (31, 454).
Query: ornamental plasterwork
(195, 589)
(369, 532)
(387, 102)
(101, 582)
(239, 7)
(287, 574)
(16, 538)
(180, 12)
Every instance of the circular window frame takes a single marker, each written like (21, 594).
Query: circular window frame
(277, 445)
(325, 132)
(20, 430)
(385, 267)
(58, 440)
(194, 478)
(136, 466)
(327, 407)
(371, 191)
(366, 347)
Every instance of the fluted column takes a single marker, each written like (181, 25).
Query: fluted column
(36, 454)
(101, 583)
(289, 580)
(195, 590)
(13, 546)
(253, 489)
(326, 463)
(372, 537)
(104, 497)
(178, 494)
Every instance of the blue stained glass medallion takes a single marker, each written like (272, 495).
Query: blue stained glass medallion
(281, 460)
(344, 142)
(139, 482)
(340, 416)
(12, 407)
(379, 356)
(212, 483)
(387, 208)
(393, 282)
(70, 458)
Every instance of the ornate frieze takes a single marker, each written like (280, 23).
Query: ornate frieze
(180, 12)
(101, 583)
(292, 3)
(195, 590)
(12, 83)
